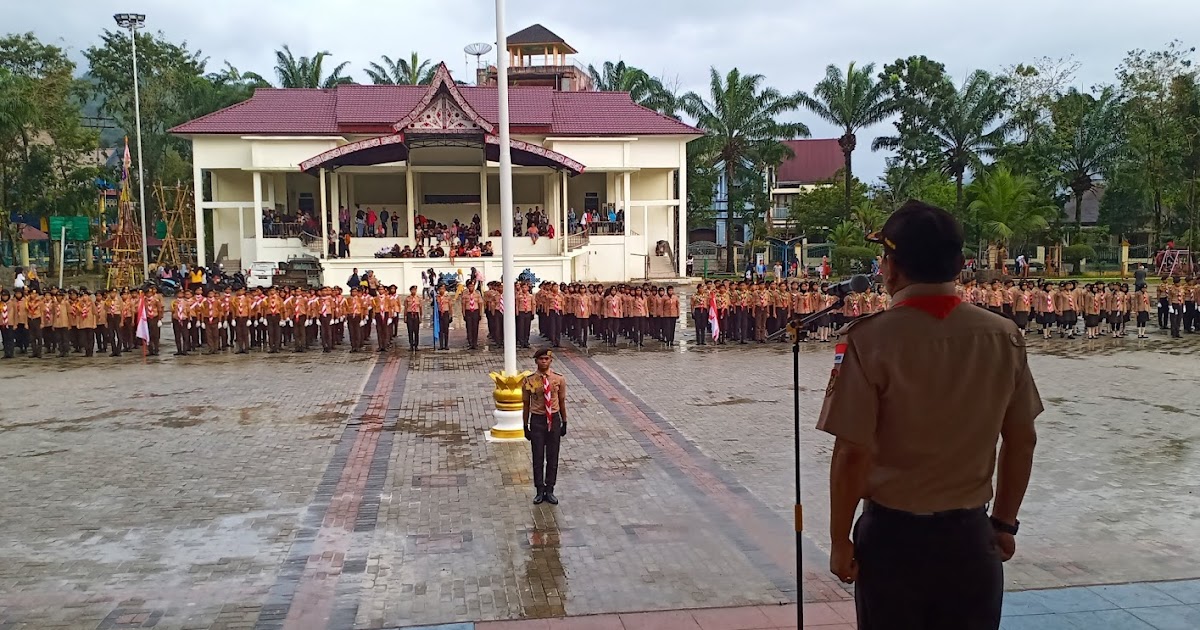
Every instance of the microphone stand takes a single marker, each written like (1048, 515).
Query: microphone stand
(796, 328)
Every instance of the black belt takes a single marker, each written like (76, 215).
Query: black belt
(875, 508)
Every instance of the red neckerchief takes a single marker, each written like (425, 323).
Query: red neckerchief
(938, 306)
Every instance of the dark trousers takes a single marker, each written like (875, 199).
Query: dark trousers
(903, 563)
(471, 318)
(524, 323)
(1189, 316)
(9, 336)
(1163, 309)
(87, 341)
(242, 326)
(545, 440)
(179, 327)
(444, 320)
(412, 321)
(383, 331)
(35, 336)
(155, 333)
(1176, 318)
(327, 333)
(354, 323)
(554, 326)
(114, 334)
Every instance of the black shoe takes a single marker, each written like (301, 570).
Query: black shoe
(537, 500)
(551, 499)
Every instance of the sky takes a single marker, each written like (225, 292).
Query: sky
(790, 42)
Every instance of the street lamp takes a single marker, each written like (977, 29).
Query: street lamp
(509, 423)
(134, 21)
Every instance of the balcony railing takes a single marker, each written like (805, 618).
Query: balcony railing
(577, 240)
(607, 228)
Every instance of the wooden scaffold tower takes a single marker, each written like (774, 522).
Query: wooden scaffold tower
(178, 245)
(126, 267)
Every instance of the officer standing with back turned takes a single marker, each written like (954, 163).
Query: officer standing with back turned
(919, 395)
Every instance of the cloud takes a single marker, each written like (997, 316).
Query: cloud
(789, 42)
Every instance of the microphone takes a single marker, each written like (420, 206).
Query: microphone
(856, 284)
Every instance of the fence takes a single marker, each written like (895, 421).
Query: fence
(606, 227)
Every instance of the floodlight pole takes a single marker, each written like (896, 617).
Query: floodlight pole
(134, 21)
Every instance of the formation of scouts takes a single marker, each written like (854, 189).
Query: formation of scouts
(299, 319)
(1104, 309)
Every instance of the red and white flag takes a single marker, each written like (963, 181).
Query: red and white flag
(714, 321)
(143, 327)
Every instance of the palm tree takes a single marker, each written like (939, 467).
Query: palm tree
(847, 234)
(230, 75)
(618, 77)
(868, 217)
(850, 101)
(305, 72)
(1008, 206)
(412, 71)
(740, 120)
(1089, 132)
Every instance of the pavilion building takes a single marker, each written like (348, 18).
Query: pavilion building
(432, 151)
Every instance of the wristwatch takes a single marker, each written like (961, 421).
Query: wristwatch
(1001, 526)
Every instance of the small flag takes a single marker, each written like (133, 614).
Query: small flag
(143, 327)
(714, 321)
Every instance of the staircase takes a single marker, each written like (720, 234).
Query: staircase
(661, 268)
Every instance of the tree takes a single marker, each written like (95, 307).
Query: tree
(850, 101)
(1087, 140)
(918, 85)
(1007, 206)
(644, 89)
(307, 72)
(822, 208)
(1034, 87)
(42, 143)
(1154, 137)
(901, 183)
(967, 127)
(413, 71)
(740, 120)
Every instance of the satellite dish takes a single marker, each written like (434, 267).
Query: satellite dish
(478, 49)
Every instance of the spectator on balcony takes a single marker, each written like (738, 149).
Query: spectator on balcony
(487, 249)
(550, 230)
(383, 222)
(517, 221)
(395, 224)
(331, 245)
(344, 251)
(372, 219)
(437, 251)
(419, 251)
(532, 233)
(407, 252)
(343, 219)
(360, 221)
(571, 221)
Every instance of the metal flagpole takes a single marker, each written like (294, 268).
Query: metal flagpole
(506, 198)
(137, 114)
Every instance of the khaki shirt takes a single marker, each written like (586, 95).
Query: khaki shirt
(929, 398)
(534, 387)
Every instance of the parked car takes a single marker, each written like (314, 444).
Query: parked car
(262, 274)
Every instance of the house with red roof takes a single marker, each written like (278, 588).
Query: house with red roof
(292, 171)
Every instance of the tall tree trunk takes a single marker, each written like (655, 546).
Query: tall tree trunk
(729, 266)
(849, 182)
(1078, 212)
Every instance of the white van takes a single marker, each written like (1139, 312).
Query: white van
(262, 274)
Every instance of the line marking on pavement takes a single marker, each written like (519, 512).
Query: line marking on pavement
(759, 532)
(309, 591)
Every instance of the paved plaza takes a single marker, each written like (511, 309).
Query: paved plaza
(357, 491)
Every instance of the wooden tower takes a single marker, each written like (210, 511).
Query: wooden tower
(126, 268)
(176, 204)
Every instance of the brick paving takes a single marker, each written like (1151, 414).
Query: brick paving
(339, 490)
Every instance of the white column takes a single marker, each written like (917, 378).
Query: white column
(483, 202)
(242, 253)
(335, 198)
(322, 207)
(410, 198)
(681, 195)
(258, 208)
(271, 189)
(562, 193)
(198, 193)
(350, 193)
(625, 201)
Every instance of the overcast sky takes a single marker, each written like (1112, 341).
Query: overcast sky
(788, 41)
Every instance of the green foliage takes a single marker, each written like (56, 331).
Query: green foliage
(1086, 141)
(901, 183)
(849, 258)
(645, 90)
(743, 132)
(847, 234)
(42, 143)
(918, 86)
(823, 207)
(850, 101)
(1077, 252)
(411, 71)
(1006, 207)
(308, 72)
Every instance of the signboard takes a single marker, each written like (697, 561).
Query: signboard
(78, 228)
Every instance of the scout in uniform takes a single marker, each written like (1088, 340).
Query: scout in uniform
(583, 314)
(613, 314)
(926, 516)
(154, 312)
(1141, 305)
(85, 322)
(63, 319)
(544, 409)
(1164, 305)
(35, 305)
(670, 311)
(525, 306)
(412, 317)
(472, 305)
(1175, 305)
(699, 304)
(7, 326)
(444, 303)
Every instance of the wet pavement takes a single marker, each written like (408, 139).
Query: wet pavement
(339, 490)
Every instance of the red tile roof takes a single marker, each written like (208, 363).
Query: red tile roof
(352, 107)
(816, 161)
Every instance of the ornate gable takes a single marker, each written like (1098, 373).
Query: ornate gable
(443, 108)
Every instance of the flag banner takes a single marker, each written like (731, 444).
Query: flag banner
(143, 328)
(714, 320)
(437, 321)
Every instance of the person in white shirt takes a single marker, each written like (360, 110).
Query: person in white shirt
(19, 281)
